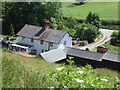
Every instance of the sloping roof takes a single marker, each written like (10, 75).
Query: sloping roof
(53, 35)
(83, 54)
(54, 55)
(61, 53)
(36, 32)
(29, 31)
(112, 57)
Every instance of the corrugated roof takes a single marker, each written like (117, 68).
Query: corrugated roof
(112, 57)
(83, 54)
(36, 32)
(54, 55)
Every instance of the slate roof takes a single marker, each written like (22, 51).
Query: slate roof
(115, 57)
(36, 32)
(83, 54)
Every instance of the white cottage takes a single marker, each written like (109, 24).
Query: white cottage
(43, 38)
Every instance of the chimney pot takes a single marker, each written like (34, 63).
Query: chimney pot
(45, 24)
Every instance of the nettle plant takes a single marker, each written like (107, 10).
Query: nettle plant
(71, 76)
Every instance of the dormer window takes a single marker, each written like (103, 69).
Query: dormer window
(23, 38)
(32, 40)
(41, 42)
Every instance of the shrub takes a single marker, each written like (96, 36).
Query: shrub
(87, 32)
(71, 76)
(115, 38)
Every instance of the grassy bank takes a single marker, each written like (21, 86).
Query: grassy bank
(23, 72)
(106, 10)
(20, 72)
(113, 49)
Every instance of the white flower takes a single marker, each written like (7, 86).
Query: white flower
(78, 80)
(65, 87)
(51, 87)
(60, 68)
(104, 79)
(92, 85)
(80, 72)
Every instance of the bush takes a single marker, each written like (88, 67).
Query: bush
(71, 76)
(87, 32)
(93, 19)
(115, 40)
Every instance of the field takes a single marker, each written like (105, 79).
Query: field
(20, 72)
(105, 10)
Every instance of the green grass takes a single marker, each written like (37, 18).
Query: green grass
(23, 72)
(32, 63)
(111, 48)
(105, 10)
(107, 72)
(19, 71)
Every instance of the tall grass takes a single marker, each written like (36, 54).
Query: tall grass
(22, 72)
(18, 72)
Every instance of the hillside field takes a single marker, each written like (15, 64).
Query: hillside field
(21, 72)
(105, 10)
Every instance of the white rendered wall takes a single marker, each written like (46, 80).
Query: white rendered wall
(39, 47)
(26, 41)
(36, 44)
(68, 40)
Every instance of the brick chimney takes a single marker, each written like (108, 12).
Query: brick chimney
(45, 24)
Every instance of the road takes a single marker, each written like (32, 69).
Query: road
(106, 36)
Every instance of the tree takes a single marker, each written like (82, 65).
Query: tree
(93, 19)
(21, 13)
(115, 40)
(87, 32)
(11, 30)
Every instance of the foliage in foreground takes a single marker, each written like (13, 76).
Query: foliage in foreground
(14, 75)
(17, 75)
(71, 76)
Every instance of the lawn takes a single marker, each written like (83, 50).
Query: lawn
(105, 10)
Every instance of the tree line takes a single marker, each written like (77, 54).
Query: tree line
(16, 14)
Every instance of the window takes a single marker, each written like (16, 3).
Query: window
(23, 38)
(64, 42)
(32, 40)
(41, 42)
(51, 44)
(42, 50)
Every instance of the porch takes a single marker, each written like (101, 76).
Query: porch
(15, 47)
